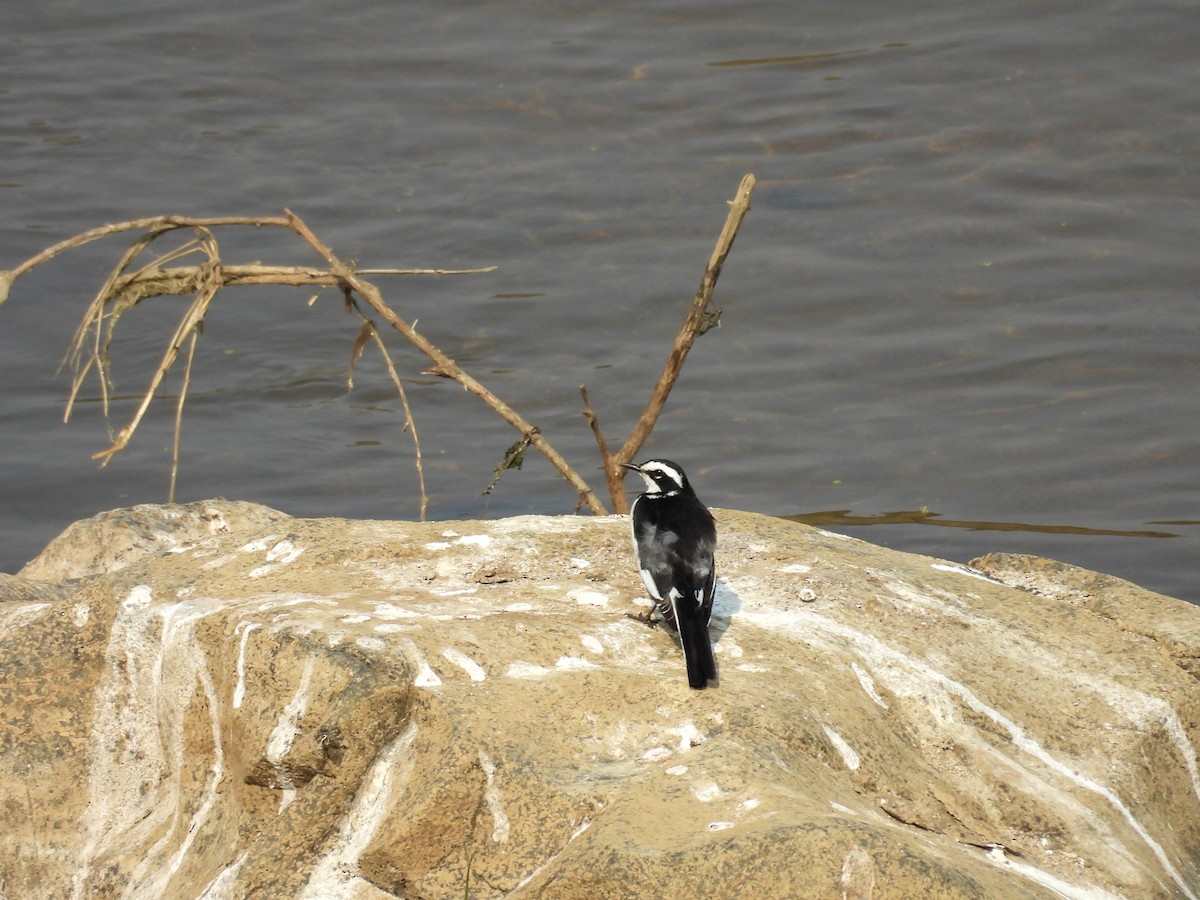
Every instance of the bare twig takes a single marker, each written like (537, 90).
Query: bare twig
(410, 424)
(177, 280)
(612, 473)
(446, 366)
(699, 320)
(190, 322)
(155, 226)
(123, 290)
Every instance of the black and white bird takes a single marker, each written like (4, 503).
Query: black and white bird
(674, 537)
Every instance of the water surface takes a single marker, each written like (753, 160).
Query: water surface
(967, 284)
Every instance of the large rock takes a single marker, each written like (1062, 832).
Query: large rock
(249, 705)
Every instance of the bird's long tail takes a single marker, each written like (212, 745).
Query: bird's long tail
(697, 647)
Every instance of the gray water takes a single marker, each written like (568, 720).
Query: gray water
(967, 284)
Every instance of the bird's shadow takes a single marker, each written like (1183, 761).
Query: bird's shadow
(726, 604)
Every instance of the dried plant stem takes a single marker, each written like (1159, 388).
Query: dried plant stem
(122, 290)
(445, 366)
(696, 323)
(190, 322)
(699, 319)
(177, 280)
(410, 424)
(612, 474)
(154, 227)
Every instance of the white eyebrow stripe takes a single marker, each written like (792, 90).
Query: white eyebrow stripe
(670, 471)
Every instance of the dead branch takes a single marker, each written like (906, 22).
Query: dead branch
(122, 290)
(370, 332)
(612, 474)
(446, 366)
(154, 226)
(179, 280)
(699, 319)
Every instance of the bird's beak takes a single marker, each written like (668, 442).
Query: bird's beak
(631, 467)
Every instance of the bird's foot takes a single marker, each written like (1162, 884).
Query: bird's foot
(646, 618)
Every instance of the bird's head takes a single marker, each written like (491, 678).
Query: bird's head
(663, 478)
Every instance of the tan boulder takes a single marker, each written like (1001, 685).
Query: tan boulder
(227, 702)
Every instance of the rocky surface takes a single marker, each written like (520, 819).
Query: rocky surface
(220, 701)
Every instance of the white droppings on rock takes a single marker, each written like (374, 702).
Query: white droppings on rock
(390, 611)
(426, 677)
(675, 770)
(392, 628)
(354, 619)
(574, 663)
(259, 545)
(438, 545)
(727, 646)
(689, 735)
(658, 754)
(284, 552)
(476, 540)
(591, 643)
(80, 613)
(749, 803)
(587, 597)
(140, 596)
(719, 826)
(215, 520)
(796, 569)
(849, 757)
(519, 607)
(219, 561)
(579, 563)
(706, 790)
(473, 669)
(752, 667)
(807, 595)
(527, 671)
(279, 555)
